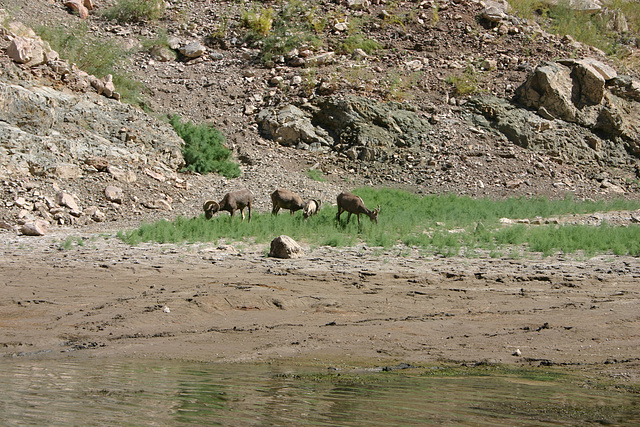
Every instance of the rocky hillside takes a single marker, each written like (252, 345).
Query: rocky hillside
(458, 97)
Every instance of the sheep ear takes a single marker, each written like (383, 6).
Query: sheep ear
(378, 208)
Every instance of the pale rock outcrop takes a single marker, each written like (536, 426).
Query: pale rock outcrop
(122, 175)
(586, 92)
(78, 7)
(66, 199)
(43, 131)
(113, 194)
(359, 127)
(285, 247)
(159, 204)
(495, 11)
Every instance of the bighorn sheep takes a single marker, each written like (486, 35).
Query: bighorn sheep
(354, 205)
(237, 200)
(311, 207)
(286, 199)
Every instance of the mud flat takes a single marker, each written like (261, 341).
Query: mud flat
(98, 297)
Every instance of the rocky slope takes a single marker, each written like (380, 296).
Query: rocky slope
(391, 118)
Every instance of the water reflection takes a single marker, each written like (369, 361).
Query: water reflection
(171, 393)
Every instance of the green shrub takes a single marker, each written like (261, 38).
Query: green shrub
(259, 22)
(204, 149)
(136, 10)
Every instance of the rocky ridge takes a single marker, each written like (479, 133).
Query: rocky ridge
(318, 110)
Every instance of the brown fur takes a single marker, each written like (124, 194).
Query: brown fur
(237, 200)
(354, 205)
(285, 199)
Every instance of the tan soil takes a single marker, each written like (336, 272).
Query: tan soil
(232, 303)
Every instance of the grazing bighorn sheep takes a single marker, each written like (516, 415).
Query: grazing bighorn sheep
(311, 208)
(237, 200)
(354, 205)
(286, 199)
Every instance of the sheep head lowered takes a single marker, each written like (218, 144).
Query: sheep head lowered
(354, 205)
(210, 207)
(237, 200)
(311, 208)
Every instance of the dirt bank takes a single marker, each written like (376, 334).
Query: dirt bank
(232, 303)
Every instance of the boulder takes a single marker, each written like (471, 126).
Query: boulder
(20, 50)
(193, 50)
(550, 86)
(35, 228)
(113, 194)
(588, 93)
(289, 126)
(78, 7)
(285, 247)
(66, 199)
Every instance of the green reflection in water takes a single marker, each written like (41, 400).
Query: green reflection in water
(141, 392)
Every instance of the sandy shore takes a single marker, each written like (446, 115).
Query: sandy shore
(228, 303)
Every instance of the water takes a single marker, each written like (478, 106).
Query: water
(170, 393)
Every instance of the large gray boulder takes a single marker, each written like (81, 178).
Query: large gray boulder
(568, 142)
(588, 93)
(361, 128)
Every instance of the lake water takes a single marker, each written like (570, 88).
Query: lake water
(170, 393)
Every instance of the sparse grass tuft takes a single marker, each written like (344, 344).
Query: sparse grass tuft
(204, 149)
(316, 175)
(136, 10)
(359, 41)
(278, 32)
(598, 30)
(466, 83)
(97, 57)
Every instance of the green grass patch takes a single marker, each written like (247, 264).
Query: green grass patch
(316, 175)
(204, 150)
(595, 29)
(443, 224)
(125, 11)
